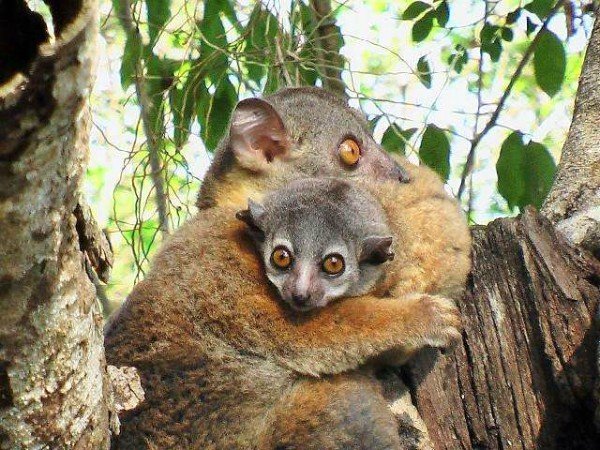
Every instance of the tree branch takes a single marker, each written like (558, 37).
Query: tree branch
(573, 203)
(331, 63)
(145, 103)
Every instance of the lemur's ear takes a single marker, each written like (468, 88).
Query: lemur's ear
(376, 250)
(257, 135)
(253, 218)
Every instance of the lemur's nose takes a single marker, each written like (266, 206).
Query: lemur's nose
(301, 299)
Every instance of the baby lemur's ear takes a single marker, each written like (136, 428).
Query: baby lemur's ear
(253, 217)
(376, 250)
(257, 135)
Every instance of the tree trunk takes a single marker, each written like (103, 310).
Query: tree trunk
(573, 203)
(523, 375)
(53, 385)
(328, 43)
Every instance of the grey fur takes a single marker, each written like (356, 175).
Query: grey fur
(313, 218)
(315, 123)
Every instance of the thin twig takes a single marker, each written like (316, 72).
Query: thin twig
(156, 166)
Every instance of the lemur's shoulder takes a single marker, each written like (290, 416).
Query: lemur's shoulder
(433, 241)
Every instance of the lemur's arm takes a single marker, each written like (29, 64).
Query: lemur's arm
(348, 333)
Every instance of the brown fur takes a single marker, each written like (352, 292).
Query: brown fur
(225, 365)
(206, 323)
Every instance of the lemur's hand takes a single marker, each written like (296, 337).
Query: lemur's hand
(441, 321)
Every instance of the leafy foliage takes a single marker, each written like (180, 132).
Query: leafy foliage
(442, 101)
(394, 139)
(415, 10)
(424, 71)
(224, 55)
(423, 26)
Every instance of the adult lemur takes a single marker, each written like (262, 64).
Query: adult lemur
(223, 363)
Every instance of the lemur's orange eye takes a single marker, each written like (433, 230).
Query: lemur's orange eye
(349, 152)
(281, 257)
(333, 264)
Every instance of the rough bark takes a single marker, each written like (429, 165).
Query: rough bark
(52, 376)
(523, 375)
(573, 203)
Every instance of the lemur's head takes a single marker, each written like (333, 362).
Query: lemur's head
(320, 239)
(299, 132)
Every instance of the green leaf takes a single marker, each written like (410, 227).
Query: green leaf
(458, 58)
(490, 41)
(422, 27)
(221, 106)
(131, 55)
(509, 169)
(272, 83)
(494, 49)
(203, 100)
(442, 14)
(540, 8)
(308, 74)
(261, 33)
(159, 12)
(229, 12)
(435, 150)
(549, 63)
(424, 71)
(525, 172)
(159, 77)
(540, 169)
(213, 38)
(183, 107)
(308, 52)
(373, 122)
(531, 27)
(507, 34)
(415, 9)
(395, 138)
(488, 33)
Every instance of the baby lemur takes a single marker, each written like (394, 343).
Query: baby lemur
(223, 363)
(320, 239)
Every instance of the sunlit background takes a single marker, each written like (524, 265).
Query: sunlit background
(384, 74)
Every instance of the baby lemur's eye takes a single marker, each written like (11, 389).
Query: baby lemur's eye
(281, 257)
(349, 152)
(333, 264)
